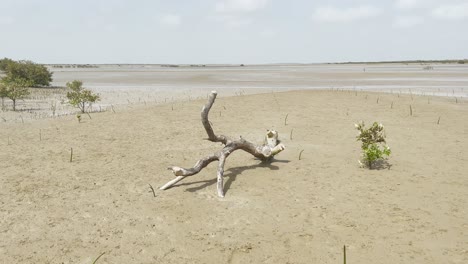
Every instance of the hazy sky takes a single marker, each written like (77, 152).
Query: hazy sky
(232, 31)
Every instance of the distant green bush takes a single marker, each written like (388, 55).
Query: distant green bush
(35, 74)
(4, 64)
(3, 94)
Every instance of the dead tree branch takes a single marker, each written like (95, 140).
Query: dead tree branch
(266, 151)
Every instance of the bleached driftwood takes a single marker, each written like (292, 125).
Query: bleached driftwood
(266, 151)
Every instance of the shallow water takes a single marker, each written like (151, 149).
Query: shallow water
(154, 79)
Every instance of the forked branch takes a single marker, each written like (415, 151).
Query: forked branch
(270, 148)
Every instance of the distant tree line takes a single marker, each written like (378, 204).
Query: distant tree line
(19, 76)
(74, 66)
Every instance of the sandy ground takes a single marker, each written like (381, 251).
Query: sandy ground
(290, 211)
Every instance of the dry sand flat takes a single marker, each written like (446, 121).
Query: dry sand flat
(289, 211)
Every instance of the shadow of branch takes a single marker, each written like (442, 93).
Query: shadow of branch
(231, 175)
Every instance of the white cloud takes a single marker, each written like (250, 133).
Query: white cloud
(240, 6)
(170, 20)
(333, 14)
(408, 4)
(407, 21)
(454, 12)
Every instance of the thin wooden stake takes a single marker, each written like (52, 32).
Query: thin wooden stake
(71, 154)
(300, 154)
(94, 262)
(152, 189)
(378, 98)
(291, 134)
(438, 120)
(411, 110)
(344, 254)
(286, 120)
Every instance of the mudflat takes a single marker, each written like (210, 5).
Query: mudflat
(411, 210)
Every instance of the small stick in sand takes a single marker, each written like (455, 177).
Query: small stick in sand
(71, 154)
(411, 110)
(300, 154)
(344, 254)
(152, 189)
(290, 134)
(286, 120)
(94, 262)
(438, 120)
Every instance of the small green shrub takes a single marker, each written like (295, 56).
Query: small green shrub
(373, 145)
(79, 96)
(14, 88)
